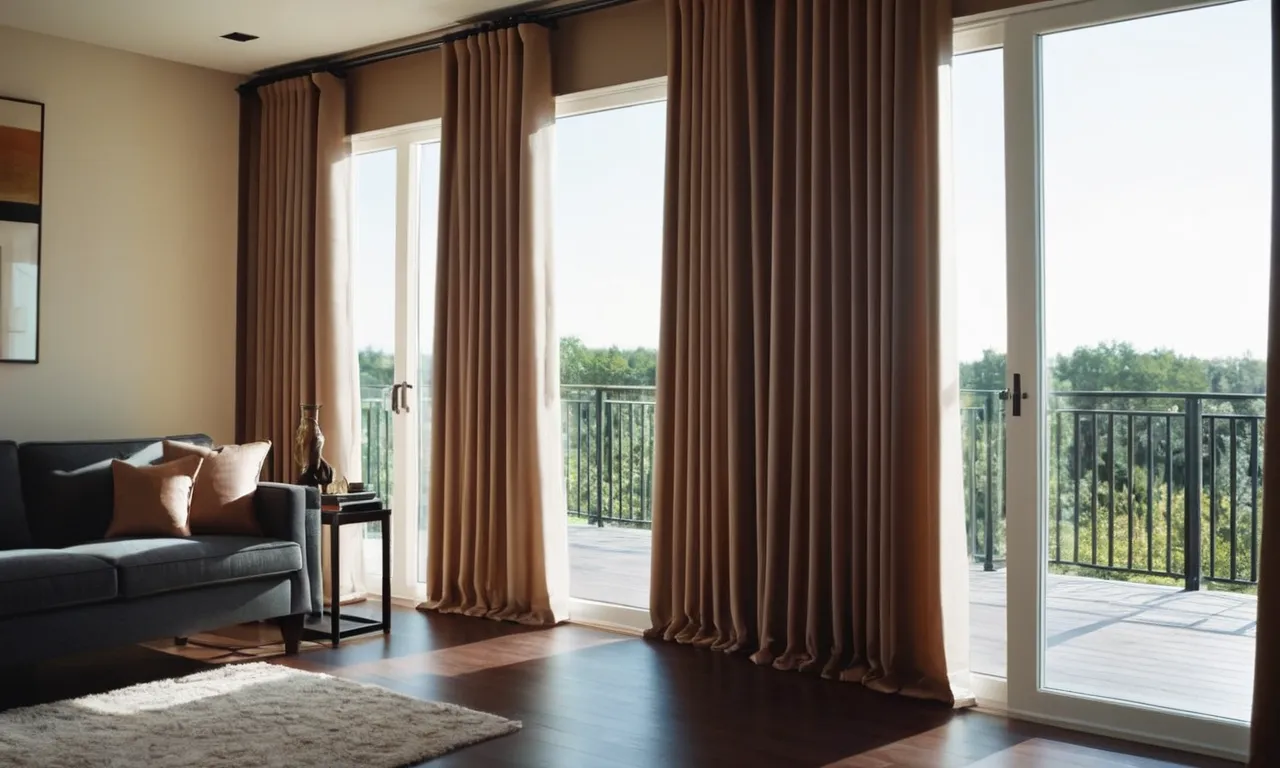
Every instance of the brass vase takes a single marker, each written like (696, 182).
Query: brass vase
(308, 445)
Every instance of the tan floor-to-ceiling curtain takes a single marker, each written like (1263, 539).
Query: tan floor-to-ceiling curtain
(496, 535)
(804, 510)
(1264, 742)
(295, 308)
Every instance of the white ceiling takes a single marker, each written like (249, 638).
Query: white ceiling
(288, 30)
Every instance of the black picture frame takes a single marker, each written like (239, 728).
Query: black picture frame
(29, 213)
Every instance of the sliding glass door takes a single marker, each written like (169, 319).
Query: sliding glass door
(1137, 153)
(395, 199)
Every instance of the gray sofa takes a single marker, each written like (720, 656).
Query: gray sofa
(64, 589)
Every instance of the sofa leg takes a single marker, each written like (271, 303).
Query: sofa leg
(179, 641)
(291, 630)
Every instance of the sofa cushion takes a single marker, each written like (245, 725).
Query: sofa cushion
(151, 566)
(33, 580)
(153, 501)
(13, 515)
(67, 487)
(222, 501)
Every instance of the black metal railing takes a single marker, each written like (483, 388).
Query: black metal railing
(607, 438)
(982, 431)
(1163, 484)
(1157, 483)
(376, 439)
(607, 435)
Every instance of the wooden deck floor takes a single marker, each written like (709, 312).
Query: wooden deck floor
(1149, 644)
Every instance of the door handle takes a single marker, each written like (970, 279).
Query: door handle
(404, 395)
(395, 398)
(1017, 395)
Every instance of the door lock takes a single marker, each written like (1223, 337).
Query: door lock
(1017, 395)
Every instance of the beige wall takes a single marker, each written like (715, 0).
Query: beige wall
(138, 272)
(612, 46)
(960, 8)
(616, 45)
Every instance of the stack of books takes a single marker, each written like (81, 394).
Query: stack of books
(355, 501)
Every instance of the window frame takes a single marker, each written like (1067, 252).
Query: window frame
(611, 616)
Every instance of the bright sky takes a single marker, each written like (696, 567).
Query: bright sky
(608, 225)
(607, 229)
(1157, 159)
(374, 237)
(1156, 181)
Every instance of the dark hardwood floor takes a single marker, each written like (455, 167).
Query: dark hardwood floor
(592, 698)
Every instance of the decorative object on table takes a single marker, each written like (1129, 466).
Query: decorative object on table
(244, 714)
(308, 445)
(333, 625)
(21, 179)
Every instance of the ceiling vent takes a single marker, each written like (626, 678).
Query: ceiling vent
(239, 37)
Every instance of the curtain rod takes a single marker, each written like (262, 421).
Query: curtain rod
(341, 65)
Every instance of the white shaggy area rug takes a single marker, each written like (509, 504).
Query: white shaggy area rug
(242, 715)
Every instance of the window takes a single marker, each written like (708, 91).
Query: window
(608, 189)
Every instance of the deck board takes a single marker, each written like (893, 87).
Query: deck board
(1143, 643)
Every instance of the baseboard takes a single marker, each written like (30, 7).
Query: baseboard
(1139, 737)
(621, 619)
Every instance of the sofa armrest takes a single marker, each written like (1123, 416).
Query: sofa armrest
(292, 513)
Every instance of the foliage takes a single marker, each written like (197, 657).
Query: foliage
(608, 434)
(1118, 367)
(608, 441)
(1118, 465)
(580, 364)
(377, 368)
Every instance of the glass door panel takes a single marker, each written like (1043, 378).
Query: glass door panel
(374, 280)
(608, 245)
(1155, 147)
(1138, 230)
(977, 150)
(428, 186)
(396, 176)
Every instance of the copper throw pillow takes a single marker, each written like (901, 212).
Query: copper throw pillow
(152, 501)
(223, 497)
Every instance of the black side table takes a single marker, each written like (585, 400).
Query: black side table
(349, 626)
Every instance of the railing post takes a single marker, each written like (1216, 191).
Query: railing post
(988, 428)
(1194, 467)
(599, 458)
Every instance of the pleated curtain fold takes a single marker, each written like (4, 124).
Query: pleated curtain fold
(496, 539)
(295, 343)
(806, 510)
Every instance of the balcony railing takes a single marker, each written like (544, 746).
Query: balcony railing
(607, 434)
(1141, 484)
(376, 442)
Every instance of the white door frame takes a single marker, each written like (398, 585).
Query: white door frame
(1027, 478)
(405, 141)
(991, 692)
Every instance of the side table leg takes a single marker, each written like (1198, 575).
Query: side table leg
(335, 584)
(386, 575)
